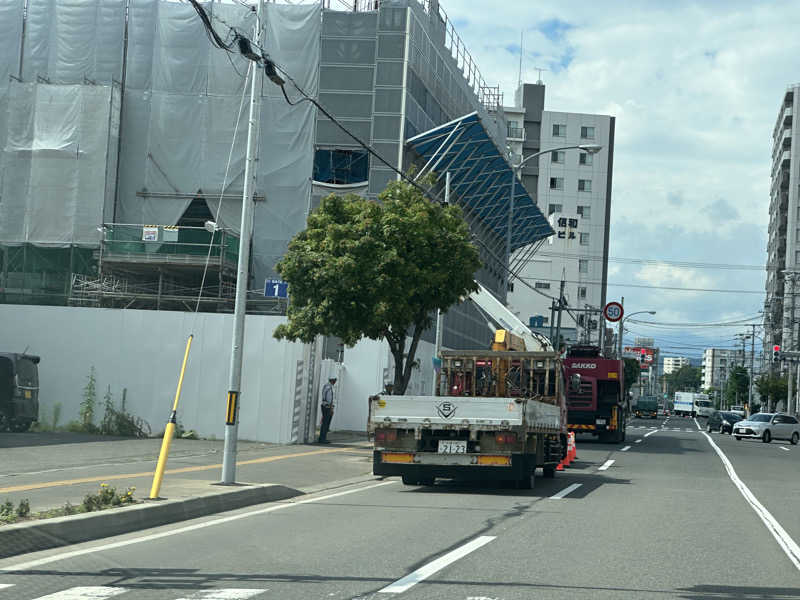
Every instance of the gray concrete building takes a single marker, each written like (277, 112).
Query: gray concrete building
(783, 246)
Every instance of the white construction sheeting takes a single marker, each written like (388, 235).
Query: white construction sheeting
(55, 163)
(179, 113)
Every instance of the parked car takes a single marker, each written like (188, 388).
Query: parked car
(768, 427)
(19, 391)
(723, 421)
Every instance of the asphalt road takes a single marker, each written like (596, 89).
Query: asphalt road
(665, 519)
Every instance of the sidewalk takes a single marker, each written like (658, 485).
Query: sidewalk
(59, 468)
(52, 469)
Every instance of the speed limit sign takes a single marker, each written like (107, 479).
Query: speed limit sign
(613, 311)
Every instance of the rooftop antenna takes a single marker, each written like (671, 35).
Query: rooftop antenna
(519, 77)
(539, 81)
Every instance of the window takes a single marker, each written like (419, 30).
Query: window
(554, 208)
(584, 240)
(559, 130)
(581, 293)
(584, 158)
(556, 183)
(583, 265)
(584, 185)
(341, 166)
(542, 285)
(587, 133)
(585, 212)
(557, 157)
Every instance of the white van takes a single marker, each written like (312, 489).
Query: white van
(703, 407)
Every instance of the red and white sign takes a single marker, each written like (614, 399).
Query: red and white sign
(613, 312)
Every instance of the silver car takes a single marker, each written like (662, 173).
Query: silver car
(768, 427)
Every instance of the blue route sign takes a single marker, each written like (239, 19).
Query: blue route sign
(275, 288)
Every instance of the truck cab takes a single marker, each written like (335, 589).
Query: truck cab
(595, 401)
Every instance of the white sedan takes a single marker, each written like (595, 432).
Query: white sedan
(768, 427)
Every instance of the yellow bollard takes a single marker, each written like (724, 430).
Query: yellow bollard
(170, 430)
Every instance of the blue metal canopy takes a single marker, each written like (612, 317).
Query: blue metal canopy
(480, 178)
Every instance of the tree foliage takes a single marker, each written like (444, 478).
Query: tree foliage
(772, 389)
(737, 386)
(685, 379)
(377, 270)
(632, 373)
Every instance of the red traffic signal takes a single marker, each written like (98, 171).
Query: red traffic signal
(776, 352)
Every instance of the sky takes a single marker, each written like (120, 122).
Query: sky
(695, 88)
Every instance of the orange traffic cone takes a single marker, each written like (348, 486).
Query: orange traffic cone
(574, 447)
(560, 466)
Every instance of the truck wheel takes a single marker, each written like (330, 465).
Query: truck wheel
(408, 480)
(20, 426)
(3, 422)
(426, 481)
(548, 472)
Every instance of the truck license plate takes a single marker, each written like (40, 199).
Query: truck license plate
(600, 421)
(452, 446)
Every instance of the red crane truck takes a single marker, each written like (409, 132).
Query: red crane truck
(595, 394)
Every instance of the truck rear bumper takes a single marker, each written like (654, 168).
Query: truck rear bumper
(425, 465)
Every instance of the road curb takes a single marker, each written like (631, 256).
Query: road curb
(21, 538)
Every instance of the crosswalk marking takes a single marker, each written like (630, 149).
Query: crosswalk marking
(224, 594)
(90, 592)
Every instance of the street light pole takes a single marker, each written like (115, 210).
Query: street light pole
(621, 328)
(242, 275)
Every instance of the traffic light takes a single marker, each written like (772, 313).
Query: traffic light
(776, 352)
(643, 357)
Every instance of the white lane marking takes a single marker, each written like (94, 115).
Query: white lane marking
(565, 492)
(650, 432)
(401, 585)
(605, 465)
(697, 424)
(787, 544)
(92, 592)
(625, 449)
(224, 594)
(155, 536)
(638, 442)
(689, 430)
(6, 585)
(784, 448)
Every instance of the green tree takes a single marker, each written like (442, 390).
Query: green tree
(89, 402)
(685, 379)
(377, 270)
(772, 389)
(633, 371)
(737, 386)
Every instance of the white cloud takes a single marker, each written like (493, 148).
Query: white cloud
(695, 88)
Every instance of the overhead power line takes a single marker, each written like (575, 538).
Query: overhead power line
(657, 262)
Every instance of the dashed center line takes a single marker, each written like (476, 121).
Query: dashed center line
(606, 464)
(650, 432)
(566, 491)
(401, 585)
(625, 449)
(784, 448)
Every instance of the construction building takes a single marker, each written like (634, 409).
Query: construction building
(118, 154)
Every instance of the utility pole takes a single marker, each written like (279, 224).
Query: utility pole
(557, 343)
(242, 273)
(790, 342)
(752, 365)
(619, 331)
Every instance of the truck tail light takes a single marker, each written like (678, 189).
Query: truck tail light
(386, 435)
(506, 438)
